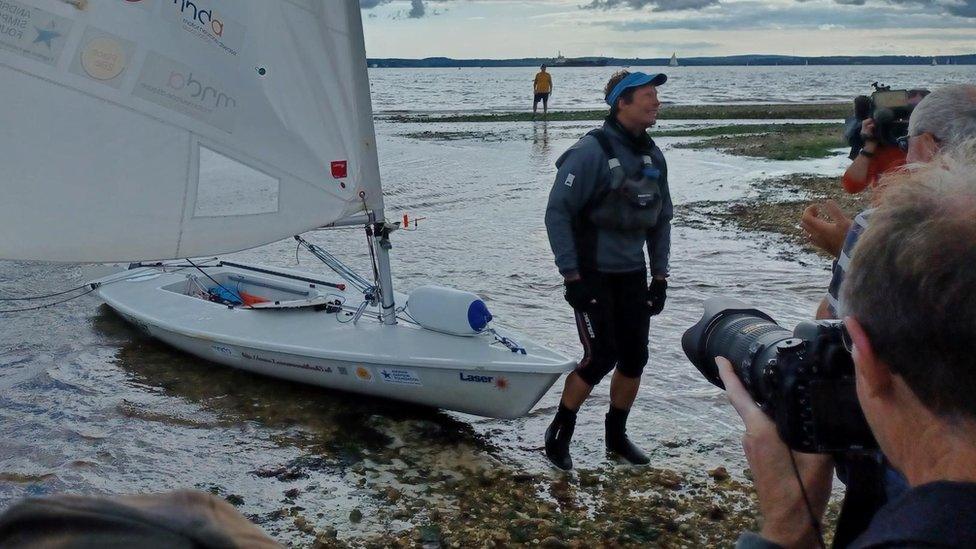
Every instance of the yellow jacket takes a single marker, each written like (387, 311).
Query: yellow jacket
(543, 82)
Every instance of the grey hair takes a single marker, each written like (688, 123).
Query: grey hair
(948, 113)
(912, 277)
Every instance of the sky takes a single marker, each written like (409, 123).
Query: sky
(497, 29)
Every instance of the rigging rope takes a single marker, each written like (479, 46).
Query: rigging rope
(37, 307)
(48, 296)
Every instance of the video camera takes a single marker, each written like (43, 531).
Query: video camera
(803, 380)
(890, 110)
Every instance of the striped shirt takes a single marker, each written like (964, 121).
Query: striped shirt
(843, 263)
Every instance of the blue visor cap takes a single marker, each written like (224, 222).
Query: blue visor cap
(635, 80)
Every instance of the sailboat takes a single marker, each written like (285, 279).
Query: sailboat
(934, 62)
(152, 133)
(674, 60)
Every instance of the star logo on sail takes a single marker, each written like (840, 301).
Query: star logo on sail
(46, 36)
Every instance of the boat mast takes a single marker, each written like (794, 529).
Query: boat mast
(381, 238)
(379, 231)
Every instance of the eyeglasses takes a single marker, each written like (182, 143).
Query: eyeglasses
(904, 141)
(845, 338)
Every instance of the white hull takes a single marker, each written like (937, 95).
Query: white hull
(475, 374)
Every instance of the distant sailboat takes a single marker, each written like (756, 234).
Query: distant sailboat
(934, 62)
(674, 60)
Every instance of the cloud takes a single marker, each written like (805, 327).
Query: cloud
(657, 5)
(959, 8)
(755, 14)
(964, 9)
(417, 9)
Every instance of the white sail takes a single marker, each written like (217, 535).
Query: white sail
(155, 129)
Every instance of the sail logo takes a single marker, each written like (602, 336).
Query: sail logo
(32, 32)
(199, 18)
(208, 95)
(203, 16)
(144, 4)
(175, 86)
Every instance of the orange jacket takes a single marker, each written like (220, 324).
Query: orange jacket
(886, 158)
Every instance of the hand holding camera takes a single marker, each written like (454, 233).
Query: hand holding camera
(787, 521)
(867, 130)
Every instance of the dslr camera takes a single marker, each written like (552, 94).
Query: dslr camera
(890, 110)
(804, 379)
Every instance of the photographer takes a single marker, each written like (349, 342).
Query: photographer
(873, 133)
(945, 117)
(876, 156)
(914, 353)
(873, 160)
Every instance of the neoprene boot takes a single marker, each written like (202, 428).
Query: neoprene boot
(558, 436)
(617, 441)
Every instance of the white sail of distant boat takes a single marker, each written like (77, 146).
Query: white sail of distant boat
(674, 60)
(161, 130)
(934, 62)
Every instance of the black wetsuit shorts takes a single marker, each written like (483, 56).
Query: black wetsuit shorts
(614, 332)
(544, 97)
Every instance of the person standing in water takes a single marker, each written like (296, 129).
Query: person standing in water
(543, 88)
(610, 200)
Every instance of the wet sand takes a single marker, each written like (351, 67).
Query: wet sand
(775, 209)
(777, 142)
(774, 141)
(781, 111)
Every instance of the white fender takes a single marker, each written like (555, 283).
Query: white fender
(448, 310)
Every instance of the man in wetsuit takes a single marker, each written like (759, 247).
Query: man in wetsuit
(610, 200)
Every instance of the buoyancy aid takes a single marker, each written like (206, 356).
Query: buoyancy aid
(629, 202)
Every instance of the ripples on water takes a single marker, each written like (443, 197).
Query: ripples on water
(88, 404)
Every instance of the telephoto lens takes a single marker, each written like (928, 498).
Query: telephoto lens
(803, 380)
(746, 336)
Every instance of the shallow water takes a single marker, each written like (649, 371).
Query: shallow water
(88, 404)
(576, 88)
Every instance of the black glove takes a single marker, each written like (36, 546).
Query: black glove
(579, 296)
(657, 294)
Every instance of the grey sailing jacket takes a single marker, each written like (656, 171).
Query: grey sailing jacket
(582, 172)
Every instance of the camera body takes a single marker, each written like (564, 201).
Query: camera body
(890, 110)
(804, 379)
